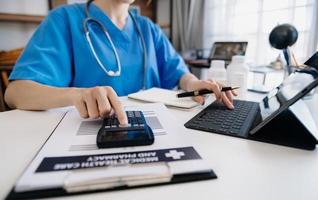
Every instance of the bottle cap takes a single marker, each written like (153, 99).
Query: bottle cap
(217, 64)
(238, 59)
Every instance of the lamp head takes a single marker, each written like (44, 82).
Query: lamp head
(283, 36)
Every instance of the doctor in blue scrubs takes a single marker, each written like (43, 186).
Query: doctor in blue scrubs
(87, 55)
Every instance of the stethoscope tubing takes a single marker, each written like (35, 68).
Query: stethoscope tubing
(111, 73)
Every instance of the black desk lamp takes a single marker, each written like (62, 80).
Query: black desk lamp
(282, 37)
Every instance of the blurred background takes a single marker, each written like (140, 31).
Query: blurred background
(193, 27)
(195, 24)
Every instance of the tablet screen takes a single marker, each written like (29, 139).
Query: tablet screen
(296, 86)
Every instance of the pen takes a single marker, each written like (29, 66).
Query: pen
(203, 92)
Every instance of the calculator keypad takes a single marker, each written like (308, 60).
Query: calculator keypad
(136, 121)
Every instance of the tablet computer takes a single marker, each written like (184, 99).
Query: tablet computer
(295, 87)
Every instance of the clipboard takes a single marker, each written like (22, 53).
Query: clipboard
(60, 192)
(163, 175)
(182, 159)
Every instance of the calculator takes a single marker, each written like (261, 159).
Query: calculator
(136, 133)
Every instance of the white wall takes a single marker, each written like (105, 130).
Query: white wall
(14, 34)
(34, 7)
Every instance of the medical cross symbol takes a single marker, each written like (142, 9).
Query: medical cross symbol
(174, 154)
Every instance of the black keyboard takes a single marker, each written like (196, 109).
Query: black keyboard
(135, 133)
(217, 118)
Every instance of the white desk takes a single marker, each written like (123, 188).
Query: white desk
(245, 169)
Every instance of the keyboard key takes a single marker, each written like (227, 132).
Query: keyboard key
(137, 114)
(124, 125)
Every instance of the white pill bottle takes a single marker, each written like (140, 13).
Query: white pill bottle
(237, 75)
(217, 71)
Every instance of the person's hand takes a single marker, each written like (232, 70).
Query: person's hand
(99, 102)
(225, 97)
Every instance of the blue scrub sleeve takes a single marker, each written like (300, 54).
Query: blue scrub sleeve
(47, 58)
(170, 63)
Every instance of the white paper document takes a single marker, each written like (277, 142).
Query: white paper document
(167, 97)
(71, 153)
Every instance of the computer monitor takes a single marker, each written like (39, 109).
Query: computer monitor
(225, 50)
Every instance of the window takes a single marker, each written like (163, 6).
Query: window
(252, 21)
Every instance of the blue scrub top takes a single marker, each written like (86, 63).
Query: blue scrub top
(59, 55)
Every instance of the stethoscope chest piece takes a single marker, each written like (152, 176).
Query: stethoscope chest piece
(112, 73)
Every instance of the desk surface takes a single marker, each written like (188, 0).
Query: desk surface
(246, 169)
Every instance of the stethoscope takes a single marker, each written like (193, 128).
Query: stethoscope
(111, 73)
